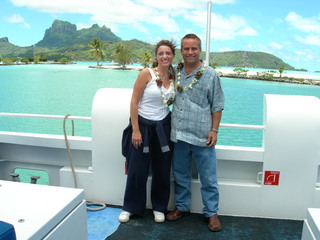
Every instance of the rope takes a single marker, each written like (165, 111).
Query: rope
(90, 203)
(68, 148)
(103, 206)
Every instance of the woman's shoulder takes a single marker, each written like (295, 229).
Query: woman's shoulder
(145, 71)
(145, 75)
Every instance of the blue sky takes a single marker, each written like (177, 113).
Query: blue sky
(288, 29)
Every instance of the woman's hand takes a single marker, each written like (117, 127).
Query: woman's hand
(136, 139)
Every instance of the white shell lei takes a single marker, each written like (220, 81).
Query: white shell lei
(194, 80)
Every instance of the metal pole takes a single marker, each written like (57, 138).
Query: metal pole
(208, 34)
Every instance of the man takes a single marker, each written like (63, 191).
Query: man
(195, 122)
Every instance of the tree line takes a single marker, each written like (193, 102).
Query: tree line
(122, 53)
(119, 52)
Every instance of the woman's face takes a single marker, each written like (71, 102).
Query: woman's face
(164, 55)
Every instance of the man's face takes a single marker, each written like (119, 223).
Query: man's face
(190, 51)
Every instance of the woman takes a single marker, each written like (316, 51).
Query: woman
(148, 136)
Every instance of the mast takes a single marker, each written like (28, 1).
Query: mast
(208, 34)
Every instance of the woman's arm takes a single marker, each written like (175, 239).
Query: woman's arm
(142, 80)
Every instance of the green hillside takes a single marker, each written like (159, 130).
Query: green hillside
(63, 39)
(247, 59)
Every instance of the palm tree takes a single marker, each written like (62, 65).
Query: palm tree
(280, 69)
(122, 54)
(96, 50)
(146, 59)
(214, 65)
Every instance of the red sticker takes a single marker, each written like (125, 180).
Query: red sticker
(271, 177)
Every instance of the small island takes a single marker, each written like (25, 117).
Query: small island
(270, 76)
(240, 73)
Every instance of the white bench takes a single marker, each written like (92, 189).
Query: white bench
(43, 212)
(311, 225)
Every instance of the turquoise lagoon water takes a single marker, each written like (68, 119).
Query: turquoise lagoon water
(70, 89)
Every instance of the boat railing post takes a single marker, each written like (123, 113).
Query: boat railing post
(15, 177)
(34, 179)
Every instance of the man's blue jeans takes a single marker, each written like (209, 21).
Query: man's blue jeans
(205, 159)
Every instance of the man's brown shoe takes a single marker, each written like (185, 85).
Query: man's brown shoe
(176, 214)
(214, 223)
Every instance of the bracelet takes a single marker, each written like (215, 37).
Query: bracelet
(215, 130)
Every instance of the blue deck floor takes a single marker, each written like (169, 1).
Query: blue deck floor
(192, 227)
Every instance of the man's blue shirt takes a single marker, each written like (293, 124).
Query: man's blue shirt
(192, 110)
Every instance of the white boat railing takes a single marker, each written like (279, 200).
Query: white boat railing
(243, 126)
(24, 115)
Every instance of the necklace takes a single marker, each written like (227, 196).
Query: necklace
(194, 81)
(160, 83)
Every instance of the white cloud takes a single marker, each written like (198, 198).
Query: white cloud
(224, 49)
(229, 28)
(287, 43)
(310, 25)
(167, 23)
(181, 4)
(301, 53)
(81, 26)
(306, 55)
(309, 40)
(278, 21)
(15, 18)
(275, 45)
(222, 1)
(114, 13)
(223, 28)
(247, 31)
(169, 4)
(60, 6)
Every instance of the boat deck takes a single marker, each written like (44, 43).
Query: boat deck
(193, 227)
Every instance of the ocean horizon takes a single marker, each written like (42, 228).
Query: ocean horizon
(298, 72)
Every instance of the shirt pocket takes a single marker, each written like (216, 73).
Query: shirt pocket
(198, 96)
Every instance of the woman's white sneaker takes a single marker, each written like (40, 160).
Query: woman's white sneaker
(158, 217)
(124, 216)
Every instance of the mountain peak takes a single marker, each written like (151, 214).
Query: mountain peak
(63, 33)
(4, 40)
(95, 26)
